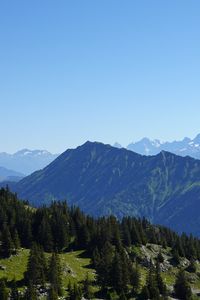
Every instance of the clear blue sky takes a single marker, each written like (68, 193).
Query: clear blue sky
(103, 70)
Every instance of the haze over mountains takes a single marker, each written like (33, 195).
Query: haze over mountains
(102, 179)
(26, 161)
(10, 175)
(146, 146)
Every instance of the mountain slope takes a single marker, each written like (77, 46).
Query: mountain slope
(6, 174)
(26, 161)
(187, 146)
(102, 179)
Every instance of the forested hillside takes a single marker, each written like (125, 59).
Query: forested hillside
(126, 259)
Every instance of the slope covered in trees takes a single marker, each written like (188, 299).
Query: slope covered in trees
(110, 243)
(104, 180)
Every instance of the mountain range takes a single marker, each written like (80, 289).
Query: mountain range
(103, 180)
(10, 175)
(187, 146)
(26, 161)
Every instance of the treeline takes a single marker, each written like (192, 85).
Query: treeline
(107, 240)
(59, 227)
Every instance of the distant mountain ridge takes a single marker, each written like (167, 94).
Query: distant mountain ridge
(187, 146)
(26, 161)
(104, 180)
(10, 175)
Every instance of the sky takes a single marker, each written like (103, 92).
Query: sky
(98, 70)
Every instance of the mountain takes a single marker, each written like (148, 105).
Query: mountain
(26, 161)
(102, 179)
(187, 146)
(10, 175)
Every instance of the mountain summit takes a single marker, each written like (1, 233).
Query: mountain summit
(103, 180)
(26, 161)
(187, 146)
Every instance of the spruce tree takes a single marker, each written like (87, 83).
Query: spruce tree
(36, 268)
(55, 274)
(117, 274)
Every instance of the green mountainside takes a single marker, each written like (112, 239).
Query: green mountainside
(58, 252)
(104, 180)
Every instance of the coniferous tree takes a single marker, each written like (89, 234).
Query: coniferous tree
(16, 240)
(182, 287)
(152, 284)
(105, 265)
(36, 269)
(7, 246)
(96, 258)
(160, 283)
(135, 279)
(117, 274)
(55, 274)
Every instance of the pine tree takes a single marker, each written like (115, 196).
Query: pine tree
(54, 274)
(182, 288)
(36, 268)
(104, 267)
(152, 284)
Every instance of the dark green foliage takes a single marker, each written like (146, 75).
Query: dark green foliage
(87, 290)
(144, 295)
(52, 294)
(14, 295)
(160, 283)
(135, 278)
(160, 257)
(182, 287)
(55, 274)
(37, 268)
(106, 239)
(7, 245)
(74, 292)
(30, 293)
(3, 290)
